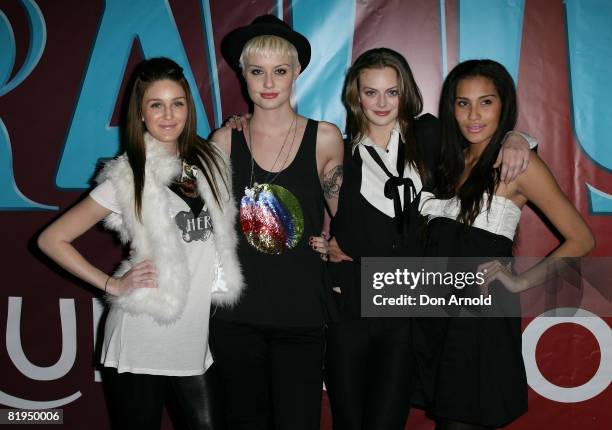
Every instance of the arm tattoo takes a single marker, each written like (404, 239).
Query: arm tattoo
(331, 182)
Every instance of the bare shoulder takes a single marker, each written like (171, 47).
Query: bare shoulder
(328, 132)
(537, 178)
(222, 137)
(330, 152)
(329, 138)
(536, 169)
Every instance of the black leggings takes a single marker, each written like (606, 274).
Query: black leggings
(271, 376)
(443, 424)
(369, 374)
(136, 400)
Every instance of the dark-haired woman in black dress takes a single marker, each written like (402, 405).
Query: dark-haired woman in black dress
(480, 377)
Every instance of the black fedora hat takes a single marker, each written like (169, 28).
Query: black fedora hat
(234, 42)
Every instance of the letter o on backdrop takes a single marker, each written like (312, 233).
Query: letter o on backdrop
(602, 377)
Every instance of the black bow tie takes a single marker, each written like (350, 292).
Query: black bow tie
(392, 186)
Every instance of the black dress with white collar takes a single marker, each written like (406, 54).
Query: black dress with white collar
(370, 221)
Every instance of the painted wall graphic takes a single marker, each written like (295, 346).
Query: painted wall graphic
(64, 65)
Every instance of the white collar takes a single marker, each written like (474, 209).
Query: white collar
(366, 141)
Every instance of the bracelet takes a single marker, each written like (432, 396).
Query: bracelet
(106, 283)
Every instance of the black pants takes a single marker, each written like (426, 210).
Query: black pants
(136, 400)
(369, 373)
(271, 376)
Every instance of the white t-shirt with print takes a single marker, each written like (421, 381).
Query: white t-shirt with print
(138, 344)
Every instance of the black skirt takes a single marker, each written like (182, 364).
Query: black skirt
(477, 373)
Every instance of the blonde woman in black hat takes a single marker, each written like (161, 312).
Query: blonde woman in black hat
(287, 168)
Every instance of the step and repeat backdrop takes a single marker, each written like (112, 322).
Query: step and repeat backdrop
(64, 65)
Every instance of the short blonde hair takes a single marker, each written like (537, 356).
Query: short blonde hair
(268, 45)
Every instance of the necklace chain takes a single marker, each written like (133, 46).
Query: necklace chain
(267, 178)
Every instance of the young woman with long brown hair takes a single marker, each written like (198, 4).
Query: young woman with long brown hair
(480, 380)
(391, 154)
(168, 197)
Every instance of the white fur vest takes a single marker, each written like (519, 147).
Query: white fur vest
(155, 238)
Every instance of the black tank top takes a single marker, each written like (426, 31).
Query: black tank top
(286, 281)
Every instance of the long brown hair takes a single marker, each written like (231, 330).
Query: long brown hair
(191, 148)
(410, 102)
(483, 178)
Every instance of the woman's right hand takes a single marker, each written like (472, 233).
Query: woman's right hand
(336, 255)
(141, 275)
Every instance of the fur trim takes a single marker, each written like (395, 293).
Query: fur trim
(229, 281)
(155, 238)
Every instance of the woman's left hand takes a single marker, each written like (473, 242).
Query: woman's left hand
(513, 157)
(494, 270)
(238, 122)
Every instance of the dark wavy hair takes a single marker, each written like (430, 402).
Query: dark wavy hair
(410, 102)
(483, 178)
(191, 148)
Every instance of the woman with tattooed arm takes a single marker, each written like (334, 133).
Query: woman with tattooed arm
(287, 168)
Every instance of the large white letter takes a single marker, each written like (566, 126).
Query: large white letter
(55, 371)
(598, 383)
